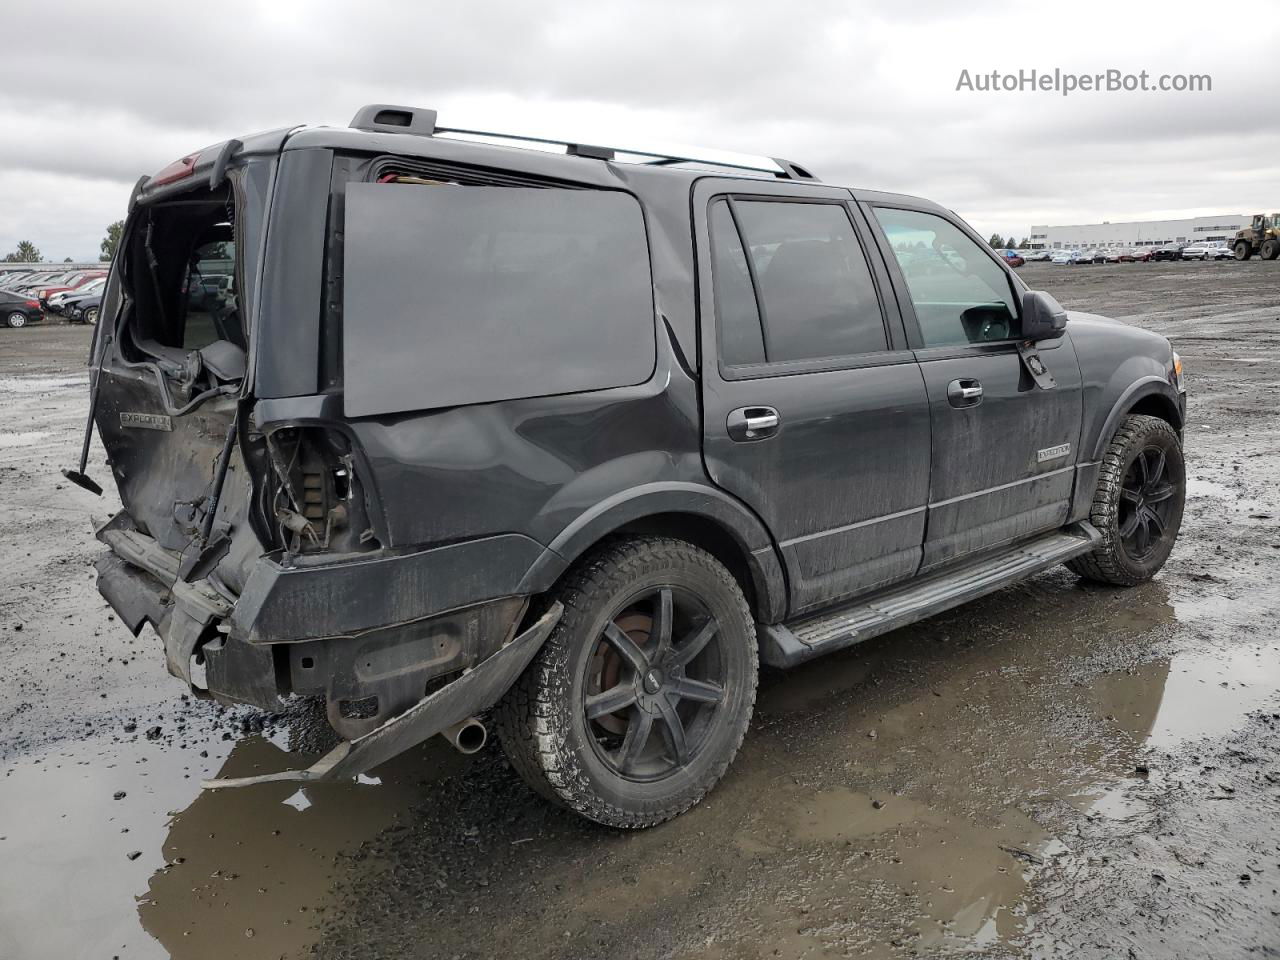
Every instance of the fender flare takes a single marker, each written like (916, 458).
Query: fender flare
(1139, 390)
(705, 502)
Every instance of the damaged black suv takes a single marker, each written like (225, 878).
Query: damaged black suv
(460, 431)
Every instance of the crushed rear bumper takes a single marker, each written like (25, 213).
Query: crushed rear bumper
(420, 676)
(474, 691)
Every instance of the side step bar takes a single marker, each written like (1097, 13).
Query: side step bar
(785, 645)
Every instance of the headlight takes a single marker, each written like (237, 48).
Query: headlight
(1175, 374)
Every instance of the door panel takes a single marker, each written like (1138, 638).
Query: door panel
(841, 476)
(842, 484)
(1003, 448)
(989, 484)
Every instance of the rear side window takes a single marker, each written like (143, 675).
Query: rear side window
(455, 295)
(816, 295)
(741, 336)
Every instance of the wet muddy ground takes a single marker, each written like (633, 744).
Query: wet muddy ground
(1058, 770)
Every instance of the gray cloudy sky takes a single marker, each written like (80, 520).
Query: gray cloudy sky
(862, 93)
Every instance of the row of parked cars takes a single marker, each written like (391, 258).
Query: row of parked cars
(25, 296)
(1173, 251)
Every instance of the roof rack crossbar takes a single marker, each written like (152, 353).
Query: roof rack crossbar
(415, 120)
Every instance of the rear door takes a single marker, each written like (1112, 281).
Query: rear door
(814, 410)
(1004, 450)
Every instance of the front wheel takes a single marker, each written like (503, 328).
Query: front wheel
(640, 698)
(1137, 506)
(1270, 249)
(16, 319)
(1243, 250)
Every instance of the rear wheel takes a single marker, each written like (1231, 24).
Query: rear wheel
(16, 319)
(91, 316)
(1243, 250)
(1270, 249)
(1137, 506)
(641, 696)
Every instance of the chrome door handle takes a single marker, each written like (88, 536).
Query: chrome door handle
(752, 423)
(964, 392)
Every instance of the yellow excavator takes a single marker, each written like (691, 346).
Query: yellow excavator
(1262, 237)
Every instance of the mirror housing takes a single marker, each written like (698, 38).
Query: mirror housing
(1043, 318)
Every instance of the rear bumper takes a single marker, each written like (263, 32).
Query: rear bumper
(308, 631)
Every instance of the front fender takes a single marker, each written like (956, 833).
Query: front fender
(1138, 391)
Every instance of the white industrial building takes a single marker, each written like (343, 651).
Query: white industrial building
(1139, 233)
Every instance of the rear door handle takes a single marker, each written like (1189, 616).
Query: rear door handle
(747, 424)
(964, 393)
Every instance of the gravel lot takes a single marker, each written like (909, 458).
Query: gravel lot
(1057, 770)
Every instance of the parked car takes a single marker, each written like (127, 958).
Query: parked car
(84, 309)
(1197, 251)
(1141, 254)
(17, 310)
(1037, 255)
(1172, 251)
(27, 282)
(1084, 257)
(59, 302)
(518, 453)
(74, 282)
(1064, 256)
(1012, 258)
(1221, 251)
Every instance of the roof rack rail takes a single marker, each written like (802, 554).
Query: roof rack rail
(389, 118)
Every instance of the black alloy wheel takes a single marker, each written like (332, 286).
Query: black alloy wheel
(654, 681)
(1147, 501)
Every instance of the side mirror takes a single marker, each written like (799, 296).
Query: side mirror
(1043, 318)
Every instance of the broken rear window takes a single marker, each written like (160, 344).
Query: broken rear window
(466, 294)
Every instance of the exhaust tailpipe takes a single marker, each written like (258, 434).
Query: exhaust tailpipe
(467, 736)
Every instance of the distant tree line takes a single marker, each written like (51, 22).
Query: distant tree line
(998, 242)
(28, 252)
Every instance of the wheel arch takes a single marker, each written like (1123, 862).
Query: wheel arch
(701, 515)
(1151, 396)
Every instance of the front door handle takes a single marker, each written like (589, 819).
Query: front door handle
(747, 424)
(964, 393)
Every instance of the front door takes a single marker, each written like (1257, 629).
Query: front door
(814, 411)
(1004, 449)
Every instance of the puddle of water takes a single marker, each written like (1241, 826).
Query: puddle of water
(213, 867)
(1208, 694)
(25, 439)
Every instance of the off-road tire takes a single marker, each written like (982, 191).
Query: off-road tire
(1270, 249)
(16, 319)
(1109, 562)
(1243, 250)
(540, 722)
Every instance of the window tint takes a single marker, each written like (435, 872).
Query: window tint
(960, 294)
(816, 290)
(455, 295)
(738, 319)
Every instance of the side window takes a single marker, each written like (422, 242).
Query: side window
(960, 294)
(737, 318)
(815, 295)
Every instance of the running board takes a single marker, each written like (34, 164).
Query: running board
(785, 645)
